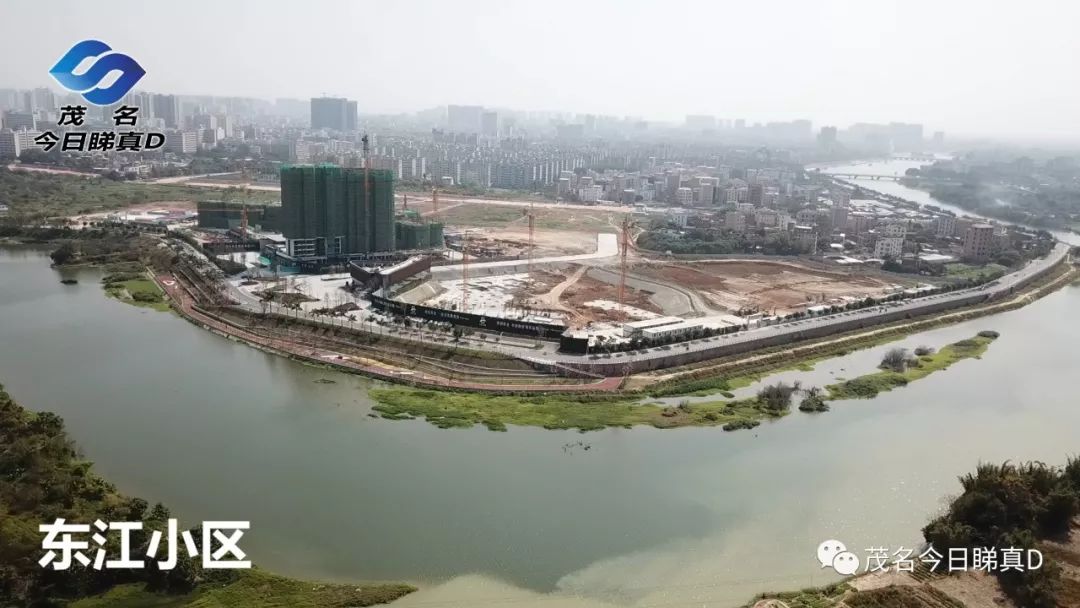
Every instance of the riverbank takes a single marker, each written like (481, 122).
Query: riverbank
(463, 410)
(917, 367)
(1035, 508)
(44, 479)
(132, 283)
(730, 373)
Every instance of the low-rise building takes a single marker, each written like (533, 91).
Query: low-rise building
(735, 220)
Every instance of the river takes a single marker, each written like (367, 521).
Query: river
(899, 167)
(644, 517)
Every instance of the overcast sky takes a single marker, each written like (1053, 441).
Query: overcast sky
(986, 67)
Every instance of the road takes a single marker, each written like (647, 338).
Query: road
(793, 329)
(326, 356)
(423, 197)
(607, 246)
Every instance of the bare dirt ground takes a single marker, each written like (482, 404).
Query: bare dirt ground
(568, 290)
(502, 213)
(514, 241)
(171, 206)
(764, 285)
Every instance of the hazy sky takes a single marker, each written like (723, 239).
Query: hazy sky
(985, 67)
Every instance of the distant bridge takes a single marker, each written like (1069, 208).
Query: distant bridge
(894, 177)
(918, 157)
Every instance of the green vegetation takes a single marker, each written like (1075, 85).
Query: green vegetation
(813, 402)
(707, 240)
(546, 218)
(587, 413)
(464, 410)
(42, 478)
(709, 385)
(35, 194)
(1007, 505)
(988, 272)
(823, 597)
(253, 589)
(129, 283)
(1011, 505)
(900, 370)
(902, 597)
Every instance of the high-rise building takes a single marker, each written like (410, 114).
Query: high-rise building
(328, 212)
(167, 108)
(944, 226)
(489, 124)
(827, 137)
(700, 122)
(756, 195)
(464, 119)
(979, 242)
(9, 99)
(182, 142)
(684, 197)
(9, 144)
(333, 113)
(16, 121)
(41, 98)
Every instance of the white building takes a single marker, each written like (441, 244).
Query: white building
(889, 247)
(890, 242)
(590, 194)
(684, 197)
(944, 226)
(182, 142)
(895, 229)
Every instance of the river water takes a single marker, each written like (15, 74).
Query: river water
(685, 517)
(899, 167)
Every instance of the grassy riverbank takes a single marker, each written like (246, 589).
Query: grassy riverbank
(588, 413)
(43, 479)
(463, 410)
(253, 588)
(869, 386)
(130, 283)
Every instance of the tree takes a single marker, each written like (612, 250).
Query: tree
(895, 359)
(776, 397)
(64, 254)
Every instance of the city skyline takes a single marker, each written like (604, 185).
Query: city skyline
(778, 61)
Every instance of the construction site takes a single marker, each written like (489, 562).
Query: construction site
(518, 281)
(506, 293)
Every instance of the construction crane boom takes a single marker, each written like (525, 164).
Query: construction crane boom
(465, 273)
(532, 217)
(627, 228)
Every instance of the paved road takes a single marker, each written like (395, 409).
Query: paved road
(325, 356)
(607, 245)
(915, 306)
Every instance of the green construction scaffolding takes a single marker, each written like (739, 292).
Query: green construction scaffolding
(332, 203)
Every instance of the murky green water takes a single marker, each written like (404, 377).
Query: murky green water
(218, 430)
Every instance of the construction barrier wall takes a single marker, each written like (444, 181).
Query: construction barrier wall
(493, 324)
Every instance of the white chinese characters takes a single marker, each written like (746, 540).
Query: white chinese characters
(66, 544)
(834, 554)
